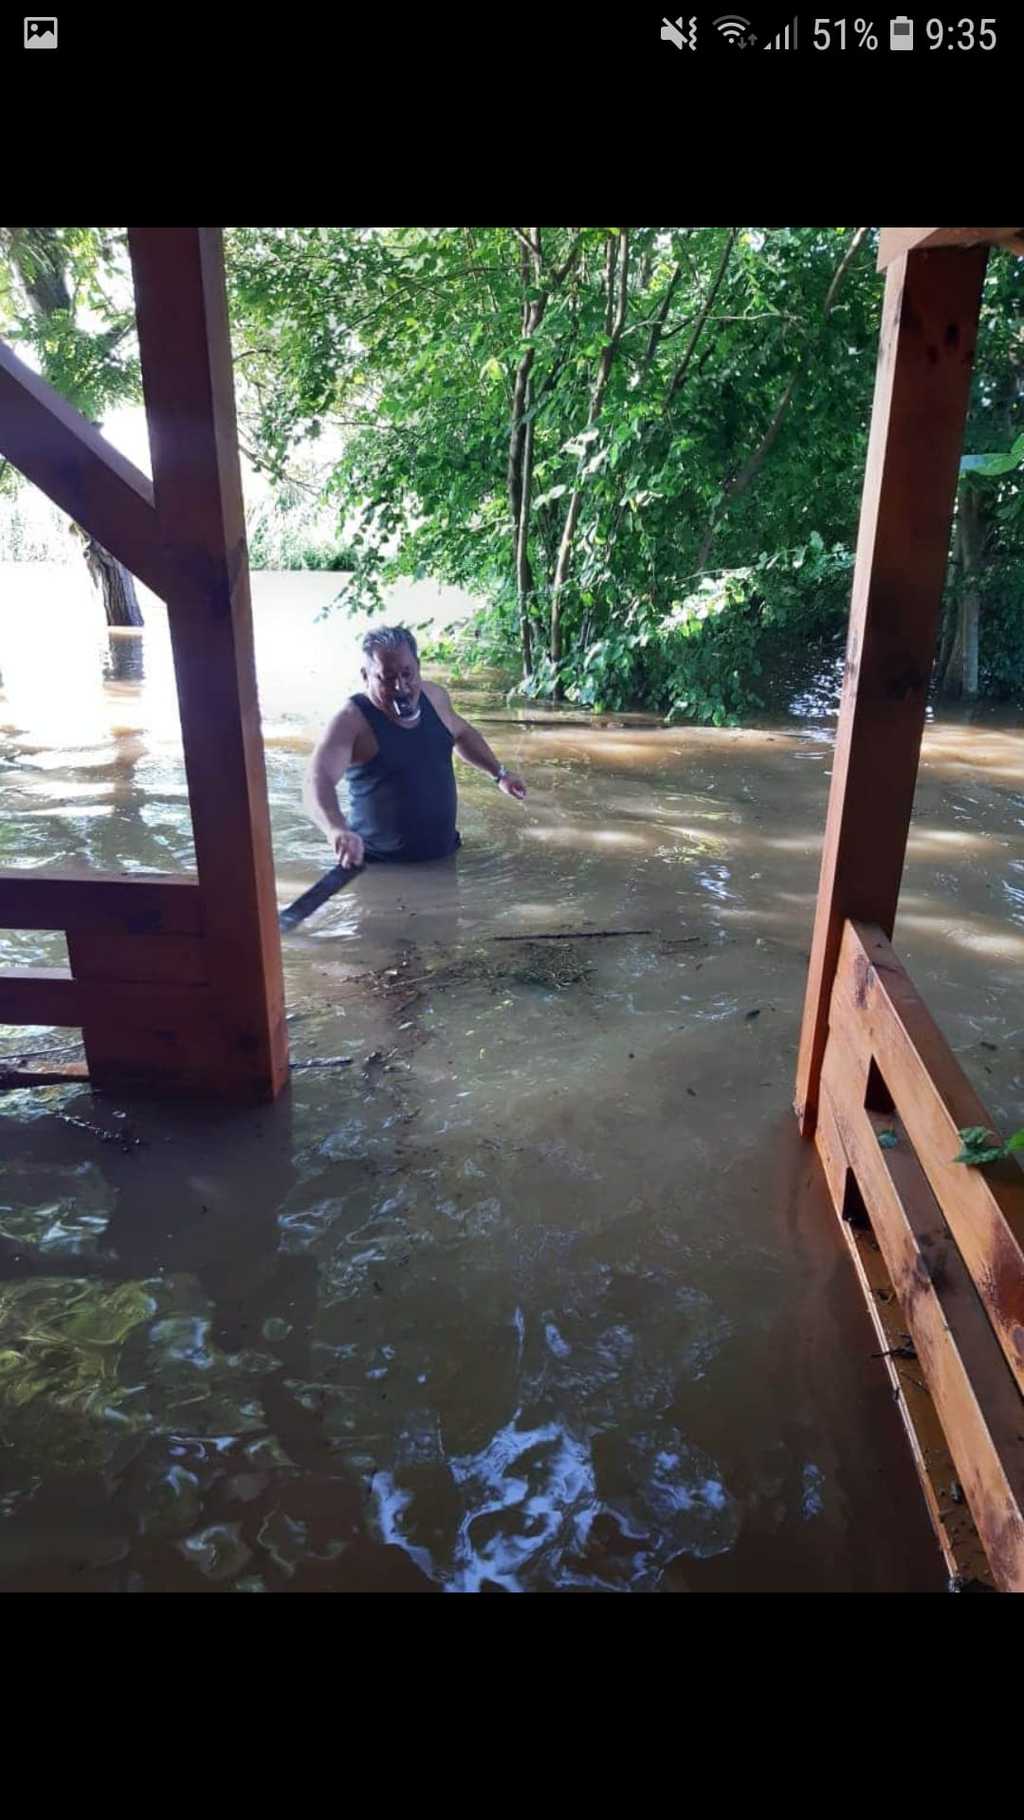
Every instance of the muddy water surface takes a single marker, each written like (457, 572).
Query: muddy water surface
(527, 1282)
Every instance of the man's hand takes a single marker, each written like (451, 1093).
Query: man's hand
(512, 786)
(348, 847)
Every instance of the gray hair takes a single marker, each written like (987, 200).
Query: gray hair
(388, 638)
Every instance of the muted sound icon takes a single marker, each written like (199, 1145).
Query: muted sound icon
(680, 32)
(784, 40)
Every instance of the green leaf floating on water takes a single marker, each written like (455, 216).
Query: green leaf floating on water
(980, 1145)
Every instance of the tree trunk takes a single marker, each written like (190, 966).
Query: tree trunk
(117, 587)
(615, 318)
(959, 676)
(524, 573)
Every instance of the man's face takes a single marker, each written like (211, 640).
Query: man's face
(393, 682)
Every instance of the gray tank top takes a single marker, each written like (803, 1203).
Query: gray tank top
(403, 801)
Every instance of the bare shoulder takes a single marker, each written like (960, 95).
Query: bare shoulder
(347, 735)
(441, 701)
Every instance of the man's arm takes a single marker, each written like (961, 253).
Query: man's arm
(471, 744)
(331, 758)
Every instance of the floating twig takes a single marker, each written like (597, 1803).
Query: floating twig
(573, 935)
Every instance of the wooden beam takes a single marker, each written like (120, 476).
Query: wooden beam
(878, 1015)
(106, 954)
(51, 995)
(893, 243)
(136, 903)
(60, 451)
(185, 347)
(929, 325)
(978, 1403)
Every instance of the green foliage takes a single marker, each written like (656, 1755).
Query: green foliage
(983, 1146)
(288, 547)
(64, 294)
(698, 434)
(421, 365)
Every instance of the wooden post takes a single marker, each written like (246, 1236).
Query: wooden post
(929, 326)
(185, 348)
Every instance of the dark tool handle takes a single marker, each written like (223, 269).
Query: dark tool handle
(334, 880)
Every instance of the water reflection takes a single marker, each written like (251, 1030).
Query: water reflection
(125, 660)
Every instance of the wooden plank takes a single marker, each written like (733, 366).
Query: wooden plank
(979, 1405)
(138, 903)
(185, 347)
(60, 451)
(834, 1160)
(877, 1012)
(893, 243)
(110, 955)
(926, 351)
(955, 1529)
(50, 995)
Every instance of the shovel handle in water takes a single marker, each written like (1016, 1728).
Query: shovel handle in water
(334, 880)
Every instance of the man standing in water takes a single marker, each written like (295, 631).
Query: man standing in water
(393, 745)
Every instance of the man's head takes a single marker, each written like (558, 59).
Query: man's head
(391, 671)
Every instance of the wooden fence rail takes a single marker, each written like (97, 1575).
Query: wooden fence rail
(951, 1236)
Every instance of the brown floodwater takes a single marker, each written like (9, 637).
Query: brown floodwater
(527, 1282)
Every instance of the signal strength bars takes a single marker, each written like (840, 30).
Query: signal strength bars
(784, 40)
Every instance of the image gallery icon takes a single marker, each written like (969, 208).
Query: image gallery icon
(40, 34)
(680, 32)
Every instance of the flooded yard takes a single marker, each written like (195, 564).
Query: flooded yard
(527, 1282)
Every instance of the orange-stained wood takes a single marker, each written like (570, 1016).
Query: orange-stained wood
(110, 955)
(979, 1405)
(951, 1519)
(185, 348)
(137, 904)
(60, 451)
(50, 995)
(876, 1012)
(926, 352)
(893, 243)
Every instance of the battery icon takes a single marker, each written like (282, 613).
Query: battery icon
(901, 34)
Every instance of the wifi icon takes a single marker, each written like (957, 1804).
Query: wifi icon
(732, 27)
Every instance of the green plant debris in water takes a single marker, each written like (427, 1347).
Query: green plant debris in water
(980, 1145)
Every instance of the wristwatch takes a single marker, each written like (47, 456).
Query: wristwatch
(502, 772)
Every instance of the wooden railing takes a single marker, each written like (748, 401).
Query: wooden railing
(893, 1099)
(138, 983)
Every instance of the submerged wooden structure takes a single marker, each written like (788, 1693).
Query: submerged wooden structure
(176, 983)
(939, 1247)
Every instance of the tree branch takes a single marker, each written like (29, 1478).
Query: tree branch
(562, 271)
(740, 481)
(681, 370)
